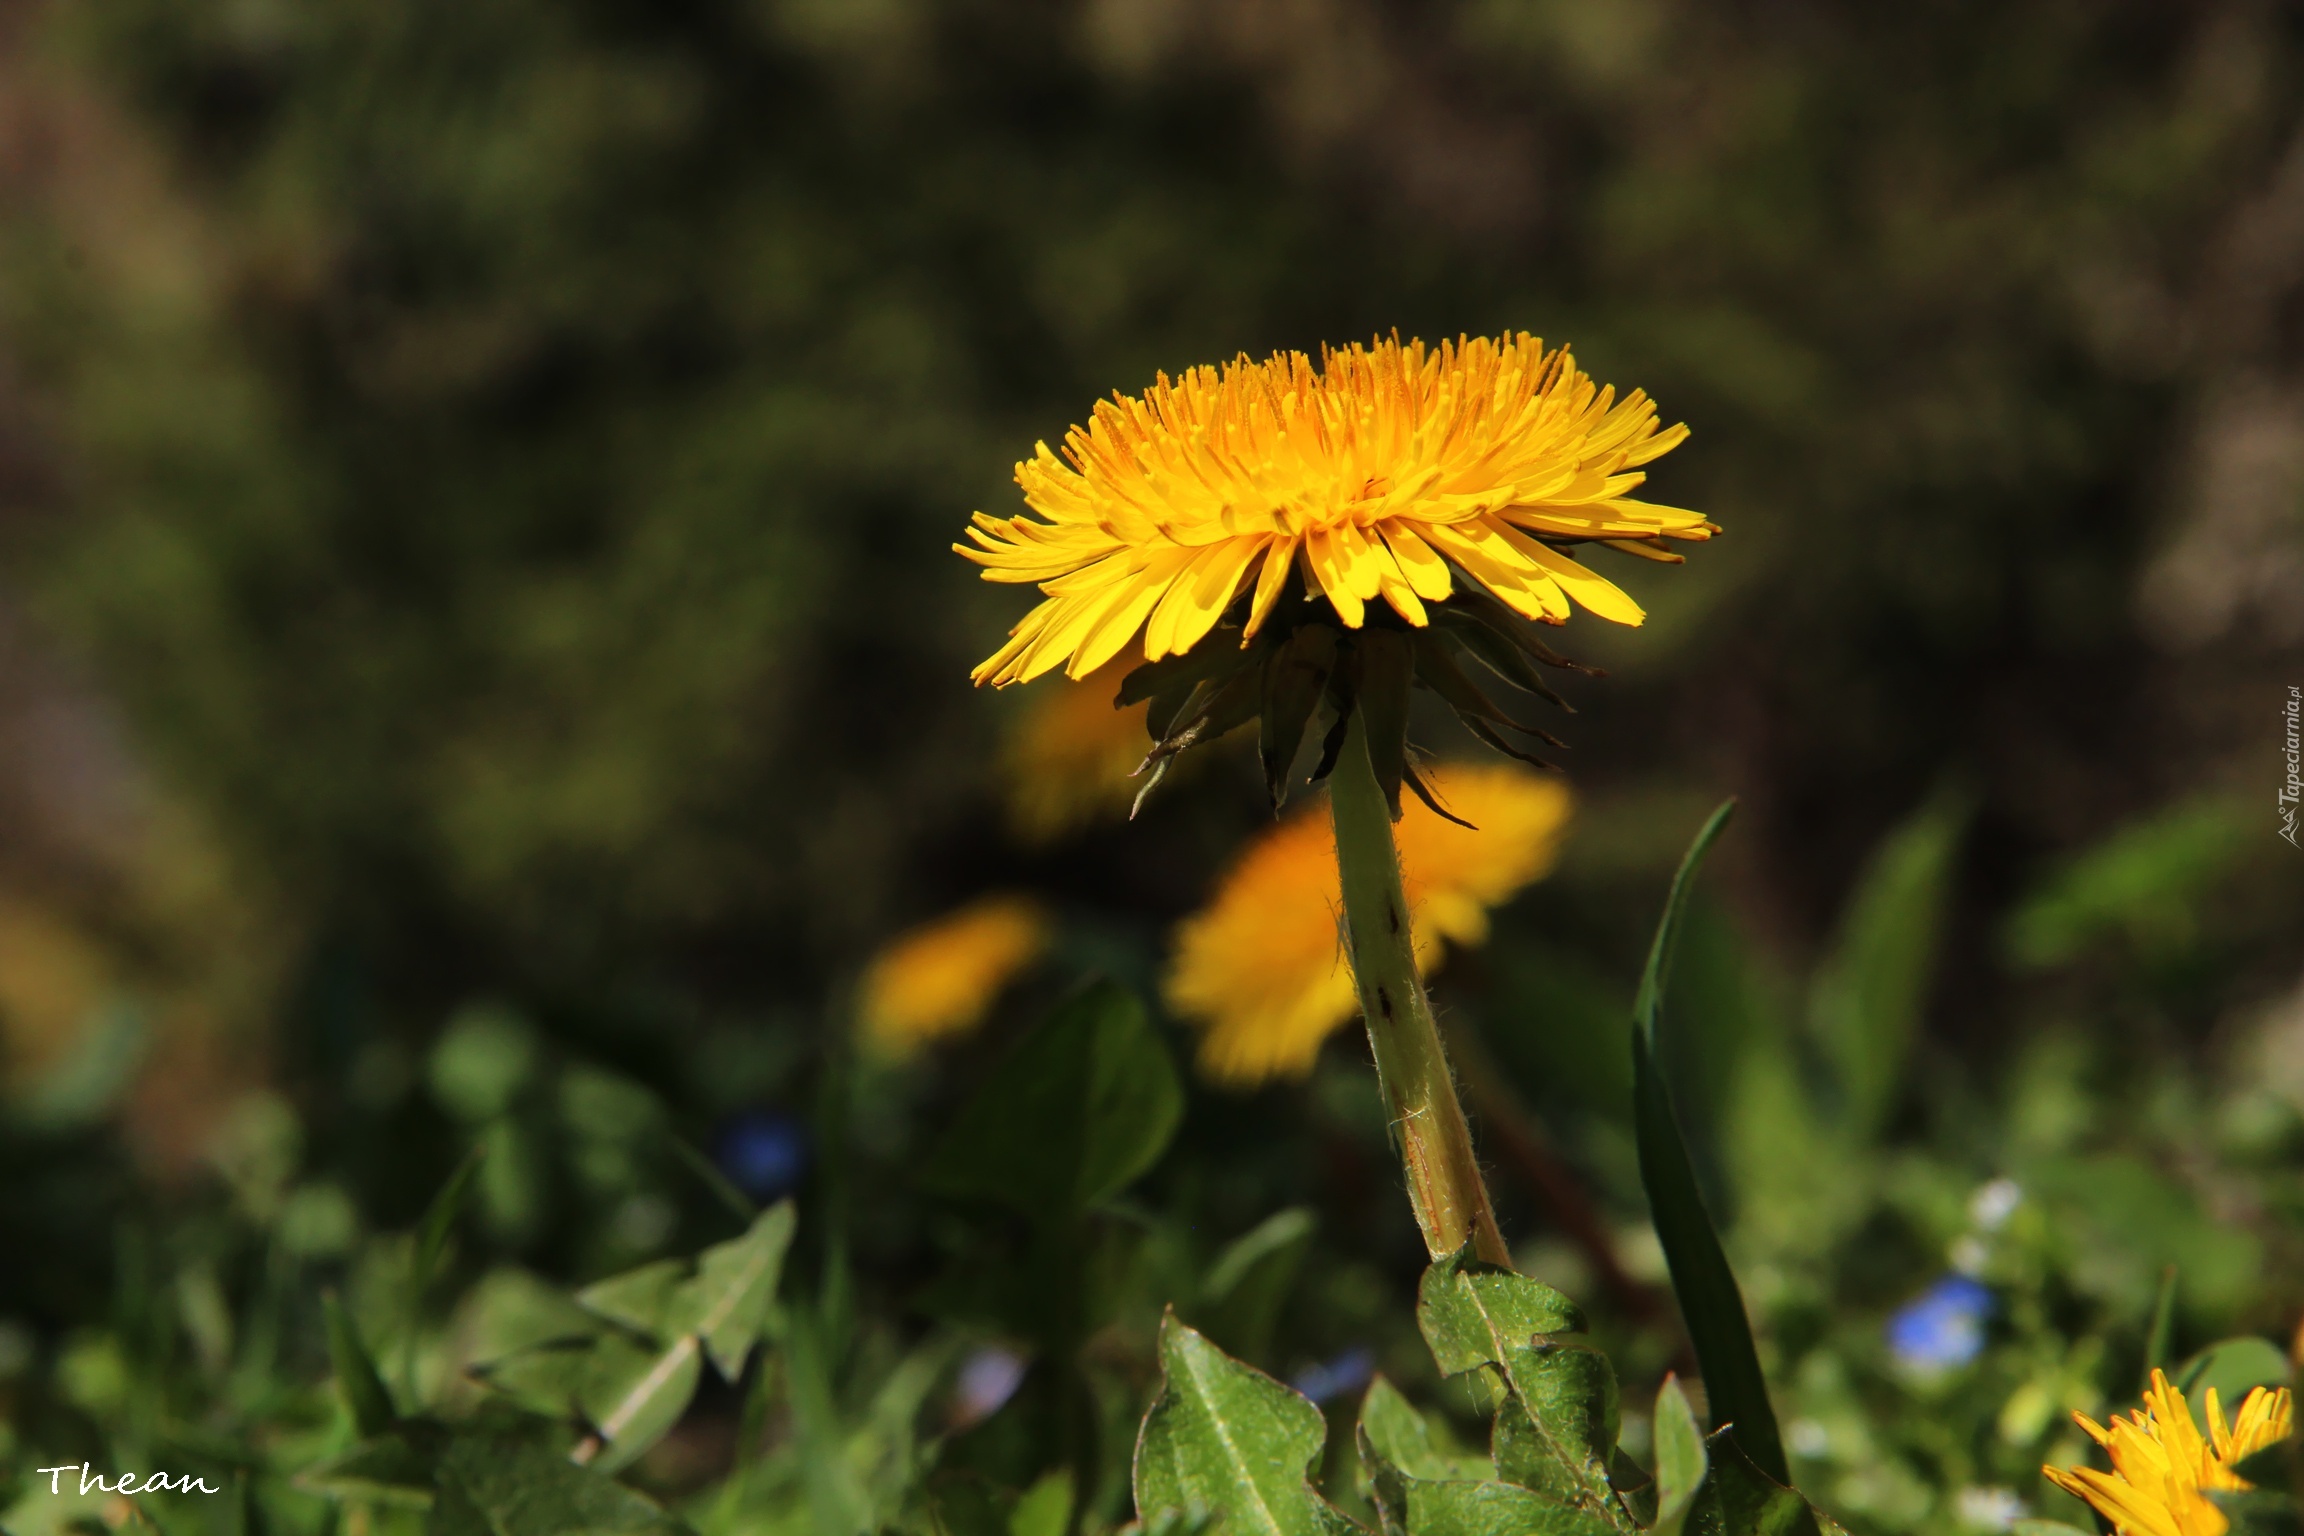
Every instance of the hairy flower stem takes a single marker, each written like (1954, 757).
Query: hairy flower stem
(1435, 1143)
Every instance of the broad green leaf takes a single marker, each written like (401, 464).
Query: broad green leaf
(1738, 1499)
(1228, 1439)
(2144, 884)
(500, 1484)
(1705, 1286)
(963, 1504)
(1558, 1456)
(1473, 1314)
(2260, 1511)
(1045, 1508)
(1241, 1298)
(384, 1469)
(633, 1396)
(648, 1300)
(2232, 1367)
(549, 1376)
(1680, 1459)
(1408, 1440)
(1868, 996)
(1497, 1509)
(837, 1501)
(2275, 1466)
(356, 1376)
(1078, 1110)
(1557, 1433)
(735, 1287)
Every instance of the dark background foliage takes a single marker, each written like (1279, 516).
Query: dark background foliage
(479, 480)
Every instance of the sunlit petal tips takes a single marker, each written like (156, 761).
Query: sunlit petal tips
(1382, 476)
(2162, 1466)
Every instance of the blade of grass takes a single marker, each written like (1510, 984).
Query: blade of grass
(424, 1259)
(1710, 1301)
(2161, 1336)
(707, 1174)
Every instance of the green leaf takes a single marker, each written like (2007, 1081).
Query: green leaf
(963, 1504)
(502, 1484)
(1557, 1432)
(1710, 1302)
(829, 1480)
(1680, 1459)
(1241, 1298)
(1474, 1314)
(1045, 1508)
(1868, 997)
(1077, 1112)
(2259, 1511)
(549, 1376)
(2232, 1367)
(1394, 1431)
(356, 1376)
(633, 1397)
(650, 1300)
(1497, 1509)
(712, 1308)
(384, 1469)
(722, 1296)
(2274, 1466)
(1738, 1499)
(2045, 1528)
(1228, 1439)
(439, 1221)
(2145, 884)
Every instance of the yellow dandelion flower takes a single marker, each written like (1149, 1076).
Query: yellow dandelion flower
(1260, 969)
(1382, 473)
(1071, 756)
(940, 978)
(2162, 1468)
(1396, 515)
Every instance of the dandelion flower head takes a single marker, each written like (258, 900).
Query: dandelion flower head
(2163, 1468)
(1377, 475)
(1261, 969)
(942, 977)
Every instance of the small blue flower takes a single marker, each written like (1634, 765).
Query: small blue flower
(1348, 1372)
(986, 1380)
(1944, 1327)
(763, 1152)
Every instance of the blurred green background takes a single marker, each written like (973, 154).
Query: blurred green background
(477, 485)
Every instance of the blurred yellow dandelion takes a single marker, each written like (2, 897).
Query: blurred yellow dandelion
(2162, 1467)
(1373, 474)
(1072, 755)
(940, 978)
(1261, 970)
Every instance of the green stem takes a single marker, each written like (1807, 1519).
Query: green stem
(1444, 1182)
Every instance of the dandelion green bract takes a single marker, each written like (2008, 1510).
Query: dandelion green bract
(1227, 1440)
